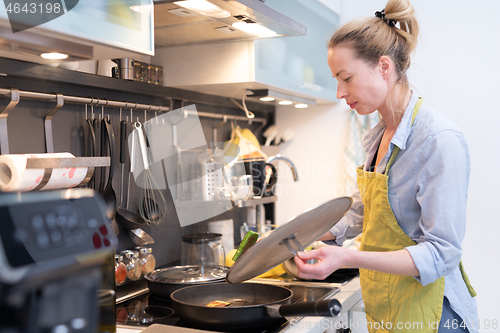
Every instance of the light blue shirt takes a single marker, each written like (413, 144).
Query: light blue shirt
(428, 185)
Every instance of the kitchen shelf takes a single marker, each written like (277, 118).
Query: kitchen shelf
(242, 204)
(258, 201)
(11, 68)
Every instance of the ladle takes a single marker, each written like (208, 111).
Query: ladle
(128, 219)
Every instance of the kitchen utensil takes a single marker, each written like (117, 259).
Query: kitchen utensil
(250, 305)
(92, 149)
(150, 193)
(123, 152)
(128, 219)
(285, 241)
(151, 209)
(108, 193)
(140, 237)
(262, 186)
(270, 134)
(203, 249)
(163, 282)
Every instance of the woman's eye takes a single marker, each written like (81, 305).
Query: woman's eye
(347, 80)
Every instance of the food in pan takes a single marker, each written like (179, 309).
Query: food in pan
(248, 241)
(218, 304)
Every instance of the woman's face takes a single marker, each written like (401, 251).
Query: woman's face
(363, 86)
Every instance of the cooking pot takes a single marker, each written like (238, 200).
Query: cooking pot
(164, 281)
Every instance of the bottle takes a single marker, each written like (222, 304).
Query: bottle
(148, 261)
(132, 264)
(120, 270)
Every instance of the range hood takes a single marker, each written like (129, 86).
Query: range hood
(174, 24)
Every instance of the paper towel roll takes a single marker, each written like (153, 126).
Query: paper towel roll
(14, 176)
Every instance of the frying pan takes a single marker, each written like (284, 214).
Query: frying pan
(251, 305)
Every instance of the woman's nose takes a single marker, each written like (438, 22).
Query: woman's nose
(341, 92)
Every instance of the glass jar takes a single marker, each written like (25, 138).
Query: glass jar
(133, 267)
(137, 70)
(144, 72)
(148, 261)
(120, 270)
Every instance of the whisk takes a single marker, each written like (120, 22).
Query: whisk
(152, 205)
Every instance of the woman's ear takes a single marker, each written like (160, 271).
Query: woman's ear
(386, 66)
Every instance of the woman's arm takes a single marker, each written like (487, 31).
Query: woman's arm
(331, 258)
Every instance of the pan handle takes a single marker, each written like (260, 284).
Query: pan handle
(323, 308)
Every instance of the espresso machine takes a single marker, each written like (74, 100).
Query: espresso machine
(56, 263)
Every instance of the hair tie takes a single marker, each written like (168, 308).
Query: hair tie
(381, 14)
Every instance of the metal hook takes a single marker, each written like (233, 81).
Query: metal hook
(4, 139)
(120, 114)
(49, 141)
(214, 130)
(131, 116)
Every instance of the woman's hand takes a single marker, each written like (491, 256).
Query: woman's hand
(330, 258)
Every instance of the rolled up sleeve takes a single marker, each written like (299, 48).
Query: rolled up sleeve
(351, 224)
(442, 168)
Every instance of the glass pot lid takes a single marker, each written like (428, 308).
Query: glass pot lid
(188, 274)
(285, 241)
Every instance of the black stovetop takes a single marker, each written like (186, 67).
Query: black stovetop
(147, 309)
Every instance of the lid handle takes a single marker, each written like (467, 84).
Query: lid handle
(286, 241)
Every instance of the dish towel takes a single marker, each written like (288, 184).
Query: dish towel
(354, 151)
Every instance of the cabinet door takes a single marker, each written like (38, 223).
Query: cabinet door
(299, 63)
(126, 25)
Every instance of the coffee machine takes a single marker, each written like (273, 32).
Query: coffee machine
(56, 263)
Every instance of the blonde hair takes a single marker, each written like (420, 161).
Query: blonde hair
(373, 37)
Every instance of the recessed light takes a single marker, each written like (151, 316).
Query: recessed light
(285, 102)
(301, 106)
(204, 8)
(267, 99)
(54, 55)
(254, 29)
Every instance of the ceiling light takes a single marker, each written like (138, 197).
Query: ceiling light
(143, 9)
(54, 55)
(204, 8)
(301, 106)
(254, 29)
(267, 99)
(285, 102)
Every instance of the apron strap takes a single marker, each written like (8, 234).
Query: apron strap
(472, 292)
(395, 151)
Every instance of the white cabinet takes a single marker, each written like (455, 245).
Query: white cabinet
(91, 29)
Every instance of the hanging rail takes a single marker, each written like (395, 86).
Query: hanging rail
(87, 100)
(118, 104)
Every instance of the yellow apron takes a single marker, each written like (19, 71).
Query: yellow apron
(393, 303)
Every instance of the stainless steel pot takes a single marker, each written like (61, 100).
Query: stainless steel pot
(162, 282)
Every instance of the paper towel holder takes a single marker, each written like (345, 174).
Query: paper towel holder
(54, 163)
(4, 138)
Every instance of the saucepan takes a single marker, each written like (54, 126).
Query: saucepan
(164, 281)
(245, 305)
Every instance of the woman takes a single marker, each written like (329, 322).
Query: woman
(412, 191)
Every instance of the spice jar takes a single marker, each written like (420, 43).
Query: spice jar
(148, 261)
(133, 266)
(120, 270)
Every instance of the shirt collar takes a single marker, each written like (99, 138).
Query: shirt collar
(403, 131)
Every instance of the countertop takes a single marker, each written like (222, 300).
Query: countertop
(349, 295)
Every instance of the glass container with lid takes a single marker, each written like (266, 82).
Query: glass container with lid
(202, 249)
(146, 259)
(120, 270)
(132, 263)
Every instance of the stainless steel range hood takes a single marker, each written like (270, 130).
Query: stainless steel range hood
(175, 25)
